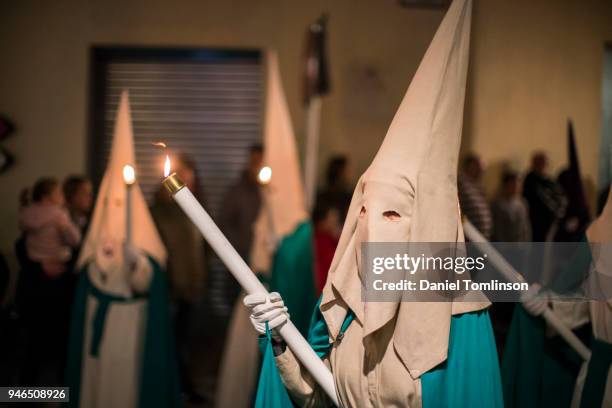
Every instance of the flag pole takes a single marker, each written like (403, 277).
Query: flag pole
(316, 84)
(506, 269)
(313, 121)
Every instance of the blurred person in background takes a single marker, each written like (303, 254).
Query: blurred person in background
(577, 215)
(78, 193)
(186, 267)
(472, 198)
(242, 203)
(4, 279)
(4, 323)
(338, 189)
(327, 228)
(510, 224)
(546, 203)
(241, 206)
(539, 367)
(50, 234)
(510, 212)
(44, 292)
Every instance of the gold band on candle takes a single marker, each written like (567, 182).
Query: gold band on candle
(173, 184)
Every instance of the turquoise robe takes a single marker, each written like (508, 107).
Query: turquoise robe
(594, 387)
(468, 378)
(538, 371)
(293, 275)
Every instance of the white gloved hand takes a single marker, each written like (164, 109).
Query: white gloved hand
(267, 308)
(130, 256)
(535, 301)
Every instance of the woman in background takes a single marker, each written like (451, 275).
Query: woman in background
(78, 193)
(186, 266)
(327, 225)
(338, 190)
(50, 234)
(44, 292)
(510, 213)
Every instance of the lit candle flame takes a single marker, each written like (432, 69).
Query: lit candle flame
(167, 166)
(265, 175)
(129, 175)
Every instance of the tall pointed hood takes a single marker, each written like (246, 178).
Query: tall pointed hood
(577, 213)
(599, 233)
(108, 224)
(413, 180)
(572, 152)
(601, 229)
(283, 207)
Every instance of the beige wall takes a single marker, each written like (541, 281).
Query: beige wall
(535, 62)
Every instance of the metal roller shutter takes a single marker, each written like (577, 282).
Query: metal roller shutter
(206, 103)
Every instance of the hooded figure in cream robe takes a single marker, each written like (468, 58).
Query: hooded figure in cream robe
(403, 354)
(282, 247)
(121, 353)
(594, 383)
(538, 367)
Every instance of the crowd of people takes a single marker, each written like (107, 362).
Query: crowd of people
(515, 214)
(541, 208)
(53, 222)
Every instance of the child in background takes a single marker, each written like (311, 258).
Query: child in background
(78, 193)
(510, 212)
(49, 233)
(326, 220)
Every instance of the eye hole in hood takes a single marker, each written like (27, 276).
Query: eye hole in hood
(391, 215)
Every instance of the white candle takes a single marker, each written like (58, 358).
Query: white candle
(129, 177)
(512, 275)
(264, 177)
(247, 279)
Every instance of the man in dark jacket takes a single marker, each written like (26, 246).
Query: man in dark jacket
(546, 203)
(240, 208)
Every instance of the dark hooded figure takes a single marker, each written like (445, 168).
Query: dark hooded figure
(540, 369)
(546, 202)
(577, 215)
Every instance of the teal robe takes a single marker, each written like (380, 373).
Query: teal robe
(468, 378)
(538, 371)
(293, 275)
(594, 387)
(159, 381)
